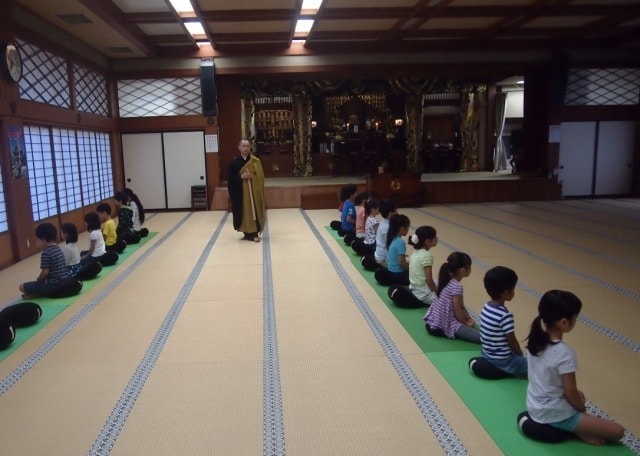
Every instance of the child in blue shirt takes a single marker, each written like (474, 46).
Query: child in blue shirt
(397, 270)
(348, 219)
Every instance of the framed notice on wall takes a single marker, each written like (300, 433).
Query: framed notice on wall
(17, 152)
(211, 143)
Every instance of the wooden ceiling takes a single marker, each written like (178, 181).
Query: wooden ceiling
(134, 29)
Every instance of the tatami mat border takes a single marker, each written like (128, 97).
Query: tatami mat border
(273, 426)
(111, 429)
(629, 440)
(610, 237)
(597, 253)
(443, 431)
(618, 337)
(596, 202)
(45, 348)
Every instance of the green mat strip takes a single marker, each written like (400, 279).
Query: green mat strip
(52, 307)
(495, 403)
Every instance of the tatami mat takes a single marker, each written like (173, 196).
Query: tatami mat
(167, 355)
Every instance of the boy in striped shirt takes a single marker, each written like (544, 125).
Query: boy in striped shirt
(497, 329)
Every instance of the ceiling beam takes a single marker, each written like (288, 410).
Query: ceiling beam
(113, 16)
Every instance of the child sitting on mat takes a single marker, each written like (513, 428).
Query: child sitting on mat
(125, 230)
(69, 234)
(111, 241)
(361, 217)
(53, 267)
(552, 394)
(497, 329)
(422, 288)
(447, 316)
(367, 245)
(138, 212)
(397, 270)
(96, 240)
(348, 216)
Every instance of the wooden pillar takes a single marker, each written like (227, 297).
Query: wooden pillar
(490, 139)
(537, 112)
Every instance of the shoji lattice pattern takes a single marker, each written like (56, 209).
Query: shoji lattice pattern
(45, 77)
(91, 91)
(103, 158)
(3, 208)
(600, 86)
(95, 166)
(159, 97)
(67, 168)
(42, 182)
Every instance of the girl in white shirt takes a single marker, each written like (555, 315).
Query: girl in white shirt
(553, 396)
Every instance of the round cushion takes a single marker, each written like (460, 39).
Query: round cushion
(403, 297)
(67, 288)
(21, 314)
(541, 432)
(89, 271)
(7, 334)
(369, 262)
(484, 369)
(109, 259)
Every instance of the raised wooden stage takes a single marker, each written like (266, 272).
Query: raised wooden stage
(440, 188)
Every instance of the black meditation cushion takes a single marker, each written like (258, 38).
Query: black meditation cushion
(21, 314)
(109, 259)
(369, 262)
(89, 271)
(484, 369)
(69, 287)
(7, 334)
(541, 432)
(403, 297)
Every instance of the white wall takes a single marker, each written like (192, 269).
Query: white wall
(515, 104)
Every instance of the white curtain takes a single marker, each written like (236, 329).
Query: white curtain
(499, 156)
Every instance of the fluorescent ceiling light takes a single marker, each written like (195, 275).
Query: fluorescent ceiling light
(311, 5)
(195, 28)
(182, 6)
(304, 25)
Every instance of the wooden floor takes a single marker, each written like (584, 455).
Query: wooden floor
(201, 343)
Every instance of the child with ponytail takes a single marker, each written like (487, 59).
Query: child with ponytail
(397, 270)
(552, 394)
(447, 316)
(422, 287)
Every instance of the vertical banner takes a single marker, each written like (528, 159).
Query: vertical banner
(17, 152)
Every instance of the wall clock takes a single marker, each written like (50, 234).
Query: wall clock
(12, 61)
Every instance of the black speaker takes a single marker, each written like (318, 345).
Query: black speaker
(208, 88)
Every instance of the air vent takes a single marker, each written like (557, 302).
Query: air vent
(74, 19)
(120, 50)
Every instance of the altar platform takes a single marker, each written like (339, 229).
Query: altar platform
(433, 188)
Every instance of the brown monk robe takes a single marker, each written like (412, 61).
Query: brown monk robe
(246, 190)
